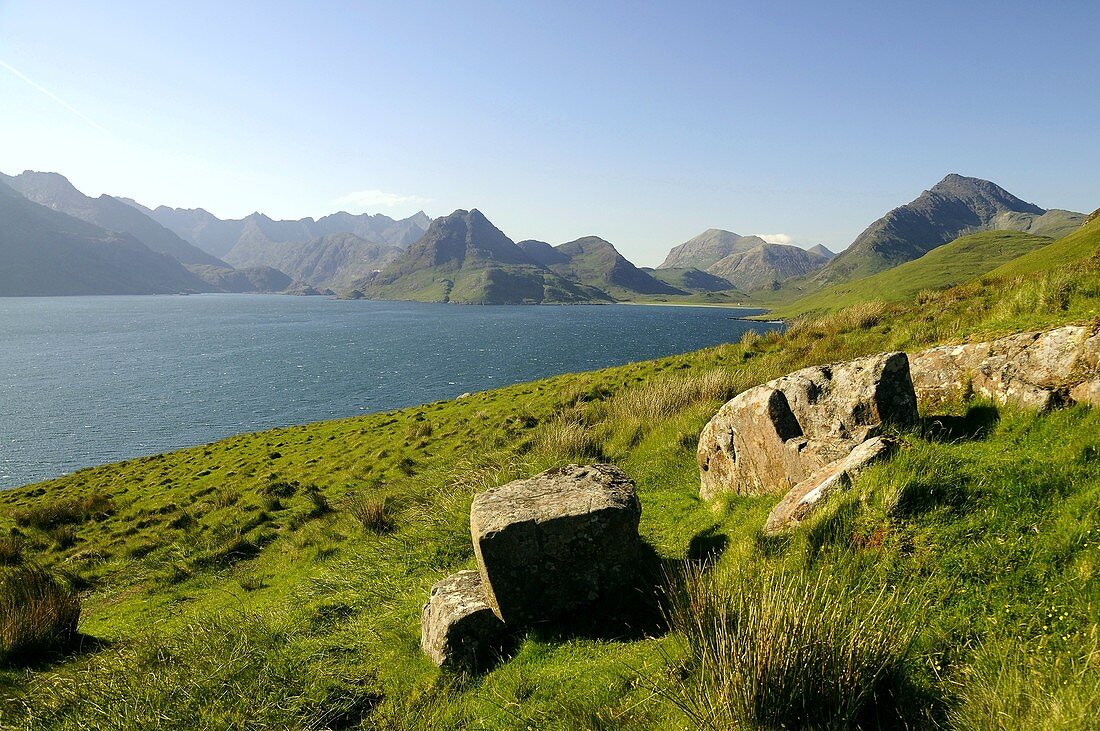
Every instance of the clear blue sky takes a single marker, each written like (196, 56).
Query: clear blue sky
(641, 122)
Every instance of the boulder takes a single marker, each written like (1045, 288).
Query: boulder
(772, 437)
(458, 628)
(556, 542)
(804, 497)
(1039, 370)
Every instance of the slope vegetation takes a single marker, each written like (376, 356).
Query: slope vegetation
(276, 580)
(962, 260)
(1081, 244)
(463, 258)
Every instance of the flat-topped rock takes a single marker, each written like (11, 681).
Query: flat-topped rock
(1039, 370)
(458, 628)
(555, 542)
(772, 437)
(806, 496)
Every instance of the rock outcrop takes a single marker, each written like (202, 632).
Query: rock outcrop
(1040, 370)
(545, 546)
(556, 542)
(797, 504)
(458, 629)
(772, 437)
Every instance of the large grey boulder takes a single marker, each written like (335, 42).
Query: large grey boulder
(806, 496)
(458, 628)
(556, 542)
(1039, 370)
(771, 437)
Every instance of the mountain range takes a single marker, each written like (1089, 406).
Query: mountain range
(46, 252)
(747, 262)
(57, 240)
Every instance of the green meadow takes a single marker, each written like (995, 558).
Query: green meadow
(275, 580)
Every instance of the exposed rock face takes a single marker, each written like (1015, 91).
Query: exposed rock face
(458, 628)
(555, 542)
(1031, 370)
(774, 436)
(804, 497)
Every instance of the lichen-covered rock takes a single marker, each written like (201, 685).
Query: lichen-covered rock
(771, 437)
(1039, 370)
(550, 544)
(804, 497)
(458, 628)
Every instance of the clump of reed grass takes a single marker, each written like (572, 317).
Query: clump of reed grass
(372, 512)
(784, 650)
(11, 550)
(38, 613)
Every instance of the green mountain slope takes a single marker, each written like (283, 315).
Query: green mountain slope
(1081, 244)
(962, 260)
(593, 262)
(46, 252)
(56, 192)
(463, 258)
(693, 280)
(955, 206)
(248, 279)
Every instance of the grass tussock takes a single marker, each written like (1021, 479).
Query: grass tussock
(38, 614)
(665, 397)
(11, 550)
(372, 512)
(786, 650)
(56, 513)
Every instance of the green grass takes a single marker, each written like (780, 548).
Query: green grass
(1081, 244)
(964, 259)
(234, 584)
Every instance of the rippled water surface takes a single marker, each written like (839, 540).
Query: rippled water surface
(90, 380)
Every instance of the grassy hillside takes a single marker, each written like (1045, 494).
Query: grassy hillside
(275, 580)
(1082, 243)
(962, 260)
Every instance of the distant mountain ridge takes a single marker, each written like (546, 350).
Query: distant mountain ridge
(237, 239)
(747, 262)
(706, 249)
(767, 265)
(955, 206)
(47, 252)
(465, 258)
(54, 191)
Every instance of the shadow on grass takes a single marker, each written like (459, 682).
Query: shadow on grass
(633, 613)
(977, 423)
(39, 660)
(707, 546)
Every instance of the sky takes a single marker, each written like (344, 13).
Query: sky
(644, 123)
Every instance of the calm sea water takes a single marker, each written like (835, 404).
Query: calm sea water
(91, 380)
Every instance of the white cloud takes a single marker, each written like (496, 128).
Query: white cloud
(378, 199)
(776, 238)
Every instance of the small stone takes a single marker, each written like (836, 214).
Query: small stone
(458, 629)
(807, 495)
